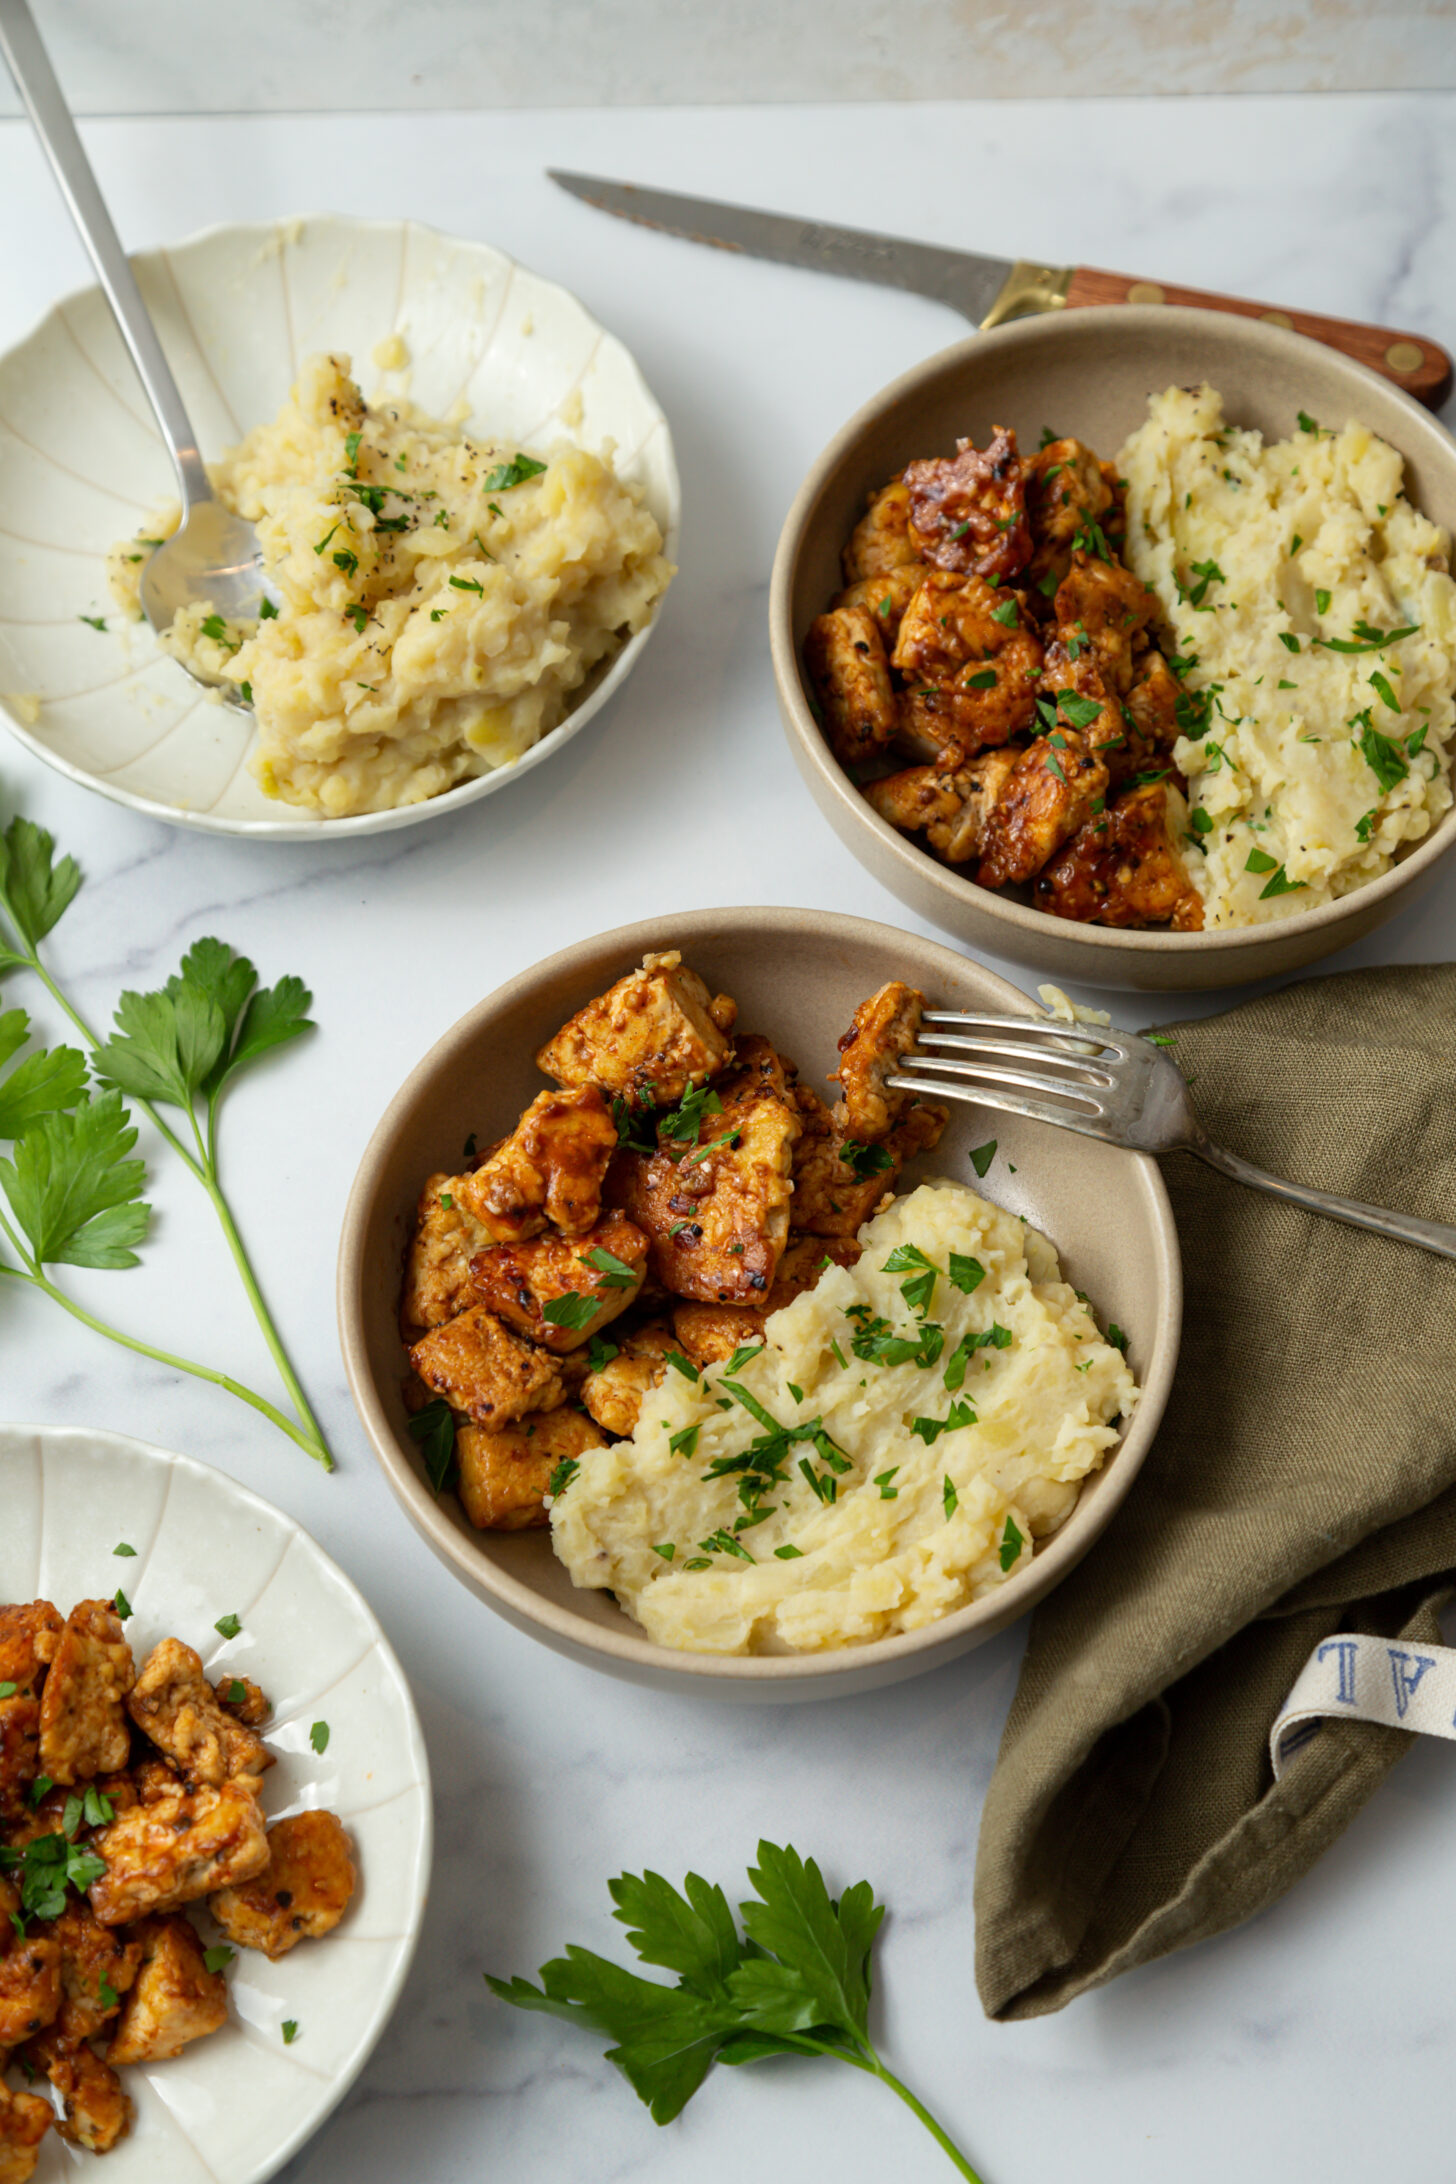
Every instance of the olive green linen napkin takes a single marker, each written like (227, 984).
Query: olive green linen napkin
(1303, 1482)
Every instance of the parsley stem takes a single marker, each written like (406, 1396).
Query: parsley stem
(203, 1165)
(39, 1280)
(869, 2062)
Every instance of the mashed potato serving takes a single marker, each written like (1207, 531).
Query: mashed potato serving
(904, 1432)
(1315, 620)
(440, 596)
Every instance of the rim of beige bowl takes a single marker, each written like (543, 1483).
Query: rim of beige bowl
(312, 828)
(918, 864)
(814, 1674)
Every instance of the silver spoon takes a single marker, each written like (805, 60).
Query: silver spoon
(214, 555)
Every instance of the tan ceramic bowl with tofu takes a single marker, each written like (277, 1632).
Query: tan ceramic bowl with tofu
(1087, 373)
(797, 976)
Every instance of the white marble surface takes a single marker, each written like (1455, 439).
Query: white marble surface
(1315, 2042)
(341, 56)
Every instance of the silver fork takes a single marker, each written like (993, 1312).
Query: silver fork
(1114, 1086)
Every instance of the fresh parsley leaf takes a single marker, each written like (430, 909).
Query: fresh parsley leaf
(600, 1354)
(318, 1737)
(949, 1497)
(219, 1957)
(122, 1605)
(684, 1442)
(866, 1160)
(290, 2031)
(1116, 1336)
(35, 890)
(1259, 860)
(45, 1083)
(1279, 883)
(681, 1364)
(985, 678)
(571, 1310)
(75, 1195)
(433, 1428)
(1383, 690)
(615, 1273)
(228, 1626)
(966, 1274)
(8, 1690)
(666, 1549)
(237, 1691)
(1012, 1542)
(1365, 822)
(882, 1481)
(982, 1156)
(515, 472)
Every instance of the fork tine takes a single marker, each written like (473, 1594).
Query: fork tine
(1048, 1029)
(1010, 1103)
(1090, 1066)
(1081, 1098)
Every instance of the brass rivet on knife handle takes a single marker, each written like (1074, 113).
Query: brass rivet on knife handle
(1028, 289)
(1420, 367)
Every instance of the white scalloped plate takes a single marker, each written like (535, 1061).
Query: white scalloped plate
(237, 309)
(233, 2108)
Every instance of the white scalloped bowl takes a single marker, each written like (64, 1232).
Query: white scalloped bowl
(233, 2108)
(238, 308)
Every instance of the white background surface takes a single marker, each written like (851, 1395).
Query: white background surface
(1317, 2041)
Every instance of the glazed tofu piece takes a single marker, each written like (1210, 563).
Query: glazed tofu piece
(95, 2113)
(971, 661)
(949, 805)
(547, 1172)
(850, 670)
(968, 510)
(243, 1700)
(98, 1966)
(179, 1847)
(19, 1754)
(24, 2121)
(1051, 792)
(29, 1634)
(615, 1392)
(881, 540)
(83, 1725)
(173, 1703)
(175, 1998)
(885, 596)
(1067, 490)
(1152, 701)
(561, 1291)
(709, 1334)
(881, 1034)
(505, 1474)
(437, 1266)
(483, 1368)
(30, 1973)
(646, 1039)
(301, 1893)
(1123, 868)
(1112, 609)
(838, 1179)
(717, 1214)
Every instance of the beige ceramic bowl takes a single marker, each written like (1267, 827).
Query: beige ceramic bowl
(797, 976)
(1088, 373)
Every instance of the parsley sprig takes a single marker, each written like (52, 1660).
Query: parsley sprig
(75, 1194)
(798, 1984)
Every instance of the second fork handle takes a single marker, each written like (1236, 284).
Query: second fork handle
(1404, 1228)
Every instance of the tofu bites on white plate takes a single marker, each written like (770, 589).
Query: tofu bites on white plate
(214, 1819)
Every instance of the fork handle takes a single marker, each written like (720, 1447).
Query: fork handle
(1405, 1228)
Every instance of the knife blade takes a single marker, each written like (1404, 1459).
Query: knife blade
(987, 291)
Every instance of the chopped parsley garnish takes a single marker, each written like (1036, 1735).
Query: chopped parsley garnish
(1207, 572)
(982, 1156)
(1306, 423)
(994, 1337)
(345, 560)
(683, 1365)
(840, 1357)
(123, 1548)
(1383, 691)
(1368, 639)
(562, 1476)
(685, 1441)
(1288, 639)
(237, 1691)
(666, 1549)
(722, 1542)
(983, 679)
(515, 472)
(865, 1160)
(615, 1273)
(788, 1553)
(213, 626)
(1116, 1336)
(467, 583)
(684, 1125)
(950, 1497)
(1280, 884)
(1261, 861)
(219, 1957)
(600, 1353)
(1005, 614)
(8, 1690)
(45, 1868)
(228, 1626)
(743, 1355)
(1365, 822)
(883, 1479)
(571, 1310)
(318, 1737)
(290, 2031)
(966, 1274)
(433, 1428)
(358, 616)
(351, 452)
(267, 612)
(121, 1604)
(1321, 602)
(1012, 1543)
(1381, 754)
(95, 621)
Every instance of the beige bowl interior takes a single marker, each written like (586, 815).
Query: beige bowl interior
(1088, 373)
(798, 977)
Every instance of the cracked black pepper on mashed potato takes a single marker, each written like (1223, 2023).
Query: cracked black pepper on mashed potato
(439, 597)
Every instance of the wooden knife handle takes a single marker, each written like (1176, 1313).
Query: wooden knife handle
(1421, 367)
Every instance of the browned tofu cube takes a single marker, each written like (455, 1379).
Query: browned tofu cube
(30, 1973)
(647, 1038)
(548, 1171)
(437, 1265)
(24, 2121)
(29, 1634)
(883, 1030)
(558, 1290)
(506, 1474)
(95, 2112)
(839, 1181)
(301, 1893)
(717, 1212)
(243, 1699)
(882, 539)
(175, 1998)
(98, 1965)
(173, 1703)
(615, 1392)
(177, 1848)
(83, 1725)
(850, 670)
(480, 1366)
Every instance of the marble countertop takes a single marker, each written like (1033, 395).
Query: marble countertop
(1308, 2043)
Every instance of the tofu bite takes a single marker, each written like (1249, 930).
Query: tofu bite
(561, 1291)
(95, 2113)
(881, 540)
(173, 1703)
(615, 1391)
(437, 1267)
(881, 1033)
(175, 1998)
(505, 1475)
(98, 1966)
(483, 1368)
(24, 2121)
(649, 1037)
(83, 1725)
(178, 1847)
(850, 669)
(971, 659)
(547, 1172)
(30, 1973)
(302, 1892)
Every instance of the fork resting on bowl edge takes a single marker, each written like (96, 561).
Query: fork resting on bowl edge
(1114, 1086)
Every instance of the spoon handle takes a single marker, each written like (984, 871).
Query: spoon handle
(36, 82)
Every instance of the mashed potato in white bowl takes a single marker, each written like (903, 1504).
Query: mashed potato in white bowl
(454, 329)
